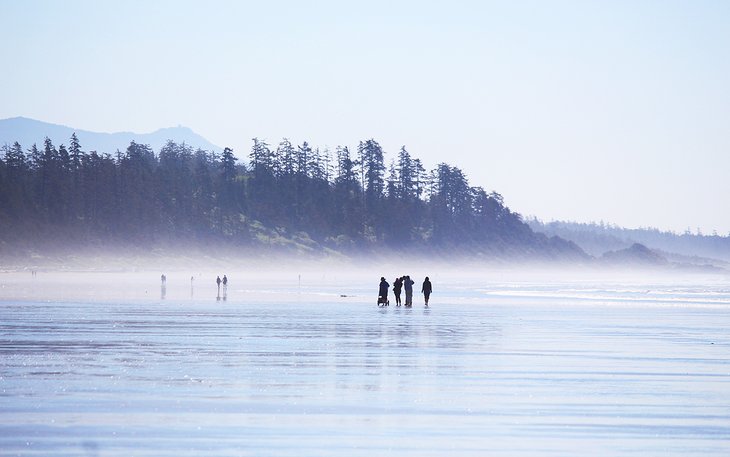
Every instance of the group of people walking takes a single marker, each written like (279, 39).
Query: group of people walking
(401, 283)
(220, 281)
(223, 281)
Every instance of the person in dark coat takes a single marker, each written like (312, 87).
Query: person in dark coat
(383, 292)
(426, 289)
(408, 285)
(397, 286)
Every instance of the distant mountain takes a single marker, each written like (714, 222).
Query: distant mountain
(597, 239)
(28, 131)
(636, 254)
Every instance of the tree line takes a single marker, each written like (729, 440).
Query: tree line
(341, 199)
(598, 238)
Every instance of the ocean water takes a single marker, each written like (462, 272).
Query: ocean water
(93, 366)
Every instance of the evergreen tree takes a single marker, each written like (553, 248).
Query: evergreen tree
(392, 189)
(203, 203)
(316, 165)
(406, 175)
(451, 204)
(64, 159)
(327, 165)
(346, 173)
(303, 162)
(348, 212)
(174, 181)
(261, 186)
(138, 199)
(373, 165)
(102, 202)
(17, 182)
(421, 179)
(35, 157)
(47, 185)
(15, 159)
(76, 156)
(228, 165)
(75, 152)
(261, 158)
(287, 158)
(228, 203)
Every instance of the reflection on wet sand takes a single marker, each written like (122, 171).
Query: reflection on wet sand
(308, 374)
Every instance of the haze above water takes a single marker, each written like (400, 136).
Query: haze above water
(303, 362)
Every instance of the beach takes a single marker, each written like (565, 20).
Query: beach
(100, 364)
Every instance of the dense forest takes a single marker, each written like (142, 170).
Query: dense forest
(287, 196)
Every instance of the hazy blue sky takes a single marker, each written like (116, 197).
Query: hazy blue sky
(580, 110)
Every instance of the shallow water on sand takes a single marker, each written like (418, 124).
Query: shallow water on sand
(488, 369)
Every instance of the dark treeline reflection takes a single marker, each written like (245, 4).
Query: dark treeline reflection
(290, 196)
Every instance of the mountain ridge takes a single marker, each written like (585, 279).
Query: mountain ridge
(597, 239)
(28, 131)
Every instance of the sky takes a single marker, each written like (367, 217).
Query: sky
(573, 110)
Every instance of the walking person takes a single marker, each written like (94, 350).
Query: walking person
(426, 289)
(397, 286)
(408, 285)
(218, 281)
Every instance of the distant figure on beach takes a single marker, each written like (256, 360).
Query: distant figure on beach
(225, 281)
(163, 287)
(383, 292)
(397, 286)
(408, 285)
(426, 289)
(192, 279)
(218, 281)
(225, 287)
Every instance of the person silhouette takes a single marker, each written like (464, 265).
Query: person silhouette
(163, 286)
(408, 285)
(426, 289)
(383, 292)
(397, 286)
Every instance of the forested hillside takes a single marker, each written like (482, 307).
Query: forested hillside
(597, 239)
(289, 197)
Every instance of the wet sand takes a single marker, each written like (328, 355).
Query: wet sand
(290, 368)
